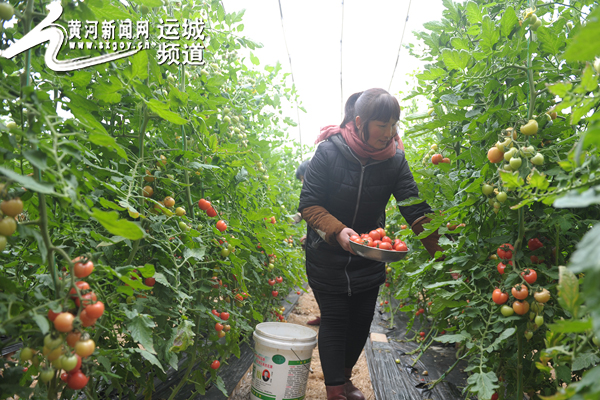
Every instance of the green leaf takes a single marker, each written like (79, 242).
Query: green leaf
(539, 180)
(587, 253)
(511, 179)
(139, 63)
(254, 59)
(139, 325)
(568, 290)
(432, 74)
(585, 45)
(455, 59)
(571, 326)
(162, 110)
(563, 373)
(584, 361)
(503, 336)
(183, 337)
(560, 89)
(149, 3)
(106, 140)
(109, 92)
(441, 284)
(473, 12)
(551, 41)
(574, 199)
(508, 21)
(484, 384)
(28, 182)
(37, 158)
(458, 338)
(42, 323)
(198, 254)
(489, 34)
(410, 201)
(460, 43)
(118, 226)
(589, 79)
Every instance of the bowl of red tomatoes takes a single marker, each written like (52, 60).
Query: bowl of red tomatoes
(377, 246)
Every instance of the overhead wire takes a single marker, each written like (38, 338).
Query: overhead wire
(292, 75)
(341, 65)
(400, 47)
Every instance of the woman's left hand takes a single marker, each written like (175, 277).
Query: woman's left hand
(343, 239)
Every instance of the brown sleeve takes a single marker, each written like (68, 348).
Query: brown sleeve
(325, 224)
(431, 241)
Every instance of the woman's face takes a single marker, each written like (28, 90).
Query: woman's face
(380, 133)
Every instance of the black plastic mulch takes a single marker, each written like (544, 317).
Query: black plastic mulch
(392, 375)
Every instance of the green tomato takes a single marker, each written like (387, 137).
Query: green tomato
(527, 151)
(597, 65)
(6, 11)
(596, 340)
(26, 354)
(11, 125)
(538, 159)
(506, 310)
(528, 335)
(515, 163)
(487, 189)
(47, 374)
(52, 342)
(68, 362)
(509, 154)
(130, 299)
(227, 120)
(501, 197)
(183, 226)
(2, 242)
(539, 320)
(536, 25)
(225, 252)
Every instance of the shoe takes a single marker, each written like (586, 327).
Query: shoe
(352, 392)
(336, 392)
(316, 321)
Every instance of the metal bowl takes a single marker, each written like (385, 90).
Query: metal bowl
(373, 253)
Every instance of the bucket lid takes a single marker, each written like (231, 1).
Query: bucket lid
(285, 332)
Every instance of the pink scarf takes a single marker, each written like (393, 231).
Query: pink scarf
(362, 149)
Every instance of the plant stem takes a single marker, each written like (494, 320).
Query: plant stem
(519, 390)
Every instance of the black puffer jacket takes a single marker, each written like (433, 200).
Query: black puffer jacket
(356, 195)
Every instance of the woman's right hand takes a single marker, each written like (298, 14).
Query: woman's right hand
(343, 239)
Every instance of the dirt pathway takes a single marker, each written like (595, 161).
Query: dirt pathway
(305, 310)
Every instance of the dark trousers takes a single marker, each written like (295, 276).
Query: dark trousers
(345, 325)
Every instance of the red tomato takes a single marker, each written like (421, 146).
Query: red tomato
(499, 297)
(271, 282)
(204, 204)
(436, 158)
(375, 235)
(385, 246)
(88, 298)
(386, 239)
(520, 292)
(221, 225)
(279, 279)
(501, 266)
(401, 247)
(215, 364)
(381, 232)
(224, 316)
(150, 281)
(95, 310)
(218, 327)
(211, 212)
(81, 285)
(535, 260)
(52, 315)
(86, 320)
(534, 244)
(64, 322)
(85, 348)
(77, 380)
(73, 337)
(521, 307)
(81, 269)
(505, 251)
(274, 293)
(529, 275)
(355, 238)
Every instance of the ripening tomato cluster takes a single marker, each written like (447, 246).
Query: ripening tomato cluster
(79, 344)
(8, 224)
(520, 292)
(221, 328)
(377, 238)
(207, 207)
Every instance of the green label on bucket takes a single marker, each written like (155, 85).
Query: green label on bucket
(278, 359)
(299, 362)
(261, 395)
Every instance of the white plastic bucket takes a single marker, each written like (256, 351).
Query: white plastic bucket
(281, 361)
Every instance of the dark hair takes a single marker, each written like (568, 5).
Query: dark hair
(370, 105)
(301, 170)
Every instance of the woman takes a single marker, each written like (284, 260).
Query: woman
(347, 185)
